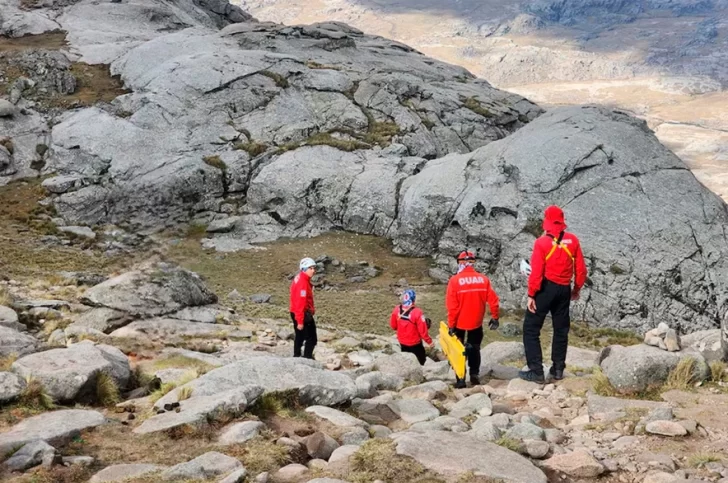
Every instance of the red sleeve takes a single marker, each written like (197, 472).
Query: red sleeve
(422, 328)
(493, 302)
(299, 298)
(311, 306)
(452, 303)
(538, 264)
(580, 277)
(393, 319)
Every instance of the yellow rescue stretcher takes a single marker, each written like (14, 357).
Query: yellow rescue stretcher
(454, 350)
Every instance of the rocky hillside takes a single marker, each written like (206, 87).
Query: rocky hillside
(261, 131)
(146, 377)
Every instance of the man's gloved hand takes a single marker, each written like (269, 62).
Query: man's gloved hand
(428, 322)
(575, 295)
(451, 331)
(493, 324)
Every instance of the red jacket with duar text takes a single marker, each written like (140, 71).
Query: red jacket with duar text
(410, 325)
(566, 262)
(301, 297)
(467, 294)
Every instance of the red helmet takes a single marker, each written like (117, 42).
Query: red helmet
(466, 255)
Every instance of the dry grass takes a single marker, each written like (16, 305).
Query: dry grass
(178, 361)
(5, 298)
(326, 139)
(474, 105)
(34, 396)
(168, 387)
(601, 384)
(260, 454)
(699, 460)
(56, 474)
(682, 377)
(252, 148)
(718, 371)
(280, 81)
(315, 65)
(377, 459)
(184, 393)
(7, 361)
(215, 161)
(107, 391)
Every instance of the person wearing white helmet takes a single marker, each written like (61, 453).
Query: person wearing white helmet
(302, 310)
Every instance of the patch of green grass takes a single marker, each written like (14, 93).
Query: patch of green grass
(107, 391)
(282, 403)
(252, 148)
(699, 460)
(215, 161)
(474, 105)
(326, 139)
(509, 443)
(377, 459)
(280, 81)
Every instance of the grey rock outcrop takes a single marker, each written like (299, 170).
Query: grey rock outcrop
(11, 385)
(14, 342)
(71, 373)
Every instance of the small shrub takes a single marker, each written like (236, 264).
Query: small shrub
(699, 460)
(34, 396)
(41, 149)
(682, 377)
(718, 371)
(381, 133)
(280, 81)
(7, 362)
(215, 161)
(107, 391)
(260, 454)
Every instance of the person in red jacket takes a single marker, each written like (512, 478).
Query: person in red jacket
(411, 326)
(556, 259)
(468, 292)
(302, 310)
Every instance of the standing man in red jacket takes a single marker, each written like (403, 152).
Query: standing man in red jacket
(467, 294)
(556, 259)
(302, 310)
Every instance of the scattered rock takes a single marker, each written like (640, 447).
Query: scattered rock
(519, 387)
(427, 391)
(708, 343)
(240, 432)
(377, 410)
(315, 385)
(524, 431)
(55, 428)
(102, 319)
(78, 460)
(484, 430)
(14, 342)
(360, 358)
(452, 454)
(369, 384)
(320, 445)
(336, 417)
(665, 428)
(162, 330)
(579, 464)
(30, 455)
(7, 109)
(509, 329)
(79, 231)
(209, 465)
(261, 298)
(414, 410)
(582, 359)
(661, 477)
(160, 290)
(125, 472)
(635, 368)
(441, 423)
(70, 374)
(689, 425)
(536, 449)
(223, 225)
(379, 431)
(479, 404)
(9, 319)
(290, 473)
(237, 476)
(500, 352)
(402, 364)
(347, 342)
(10, 386)
(612, 408)
(355, 436)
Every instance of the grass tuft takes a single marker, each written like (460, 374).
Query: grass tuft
(682, 377)
(601, 384)
(327, 139)
(184, 393)
(280, 81)
(260, 454)
(7, 362)
(718, 371)
(179, 361)
(215, 161)
(315, 65)
(509, 443)
(282, 403)
(377, 459)
(381, 133)
(168, 387)
(5, 297)
(34, 396)
(474, 105)
(107, 391)
(252, 148)
(699, 460)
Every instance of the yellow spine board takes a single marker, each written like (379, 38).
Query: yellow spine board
(454, 350)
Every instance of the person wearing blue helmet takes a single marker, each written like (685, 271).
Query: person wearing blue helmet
(411, 326)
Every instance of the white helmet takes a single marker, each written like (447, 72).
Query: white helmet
(307, 263)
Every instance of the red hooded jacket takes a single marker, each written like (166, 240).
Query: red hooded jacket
(411, 327)
(562, 265)
(301, 297)
(467, 294)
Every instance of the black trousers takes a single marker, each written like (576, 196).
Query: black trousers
(474, 338)
(556, 299)
(418, 350)
(305, 337)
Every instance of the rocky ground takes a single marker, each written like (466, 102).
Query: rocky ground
(145, 375)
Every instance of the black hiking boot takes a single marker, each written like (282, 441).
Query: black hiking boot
(460, 383)
(556, 374)
(531, 376)
(475, 380)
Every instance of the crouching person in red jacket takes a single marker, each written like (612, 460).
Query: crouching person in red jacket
(411, 326)
(302, 310)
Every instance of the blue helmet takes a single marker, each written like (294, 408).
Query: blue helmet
(408, 297)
